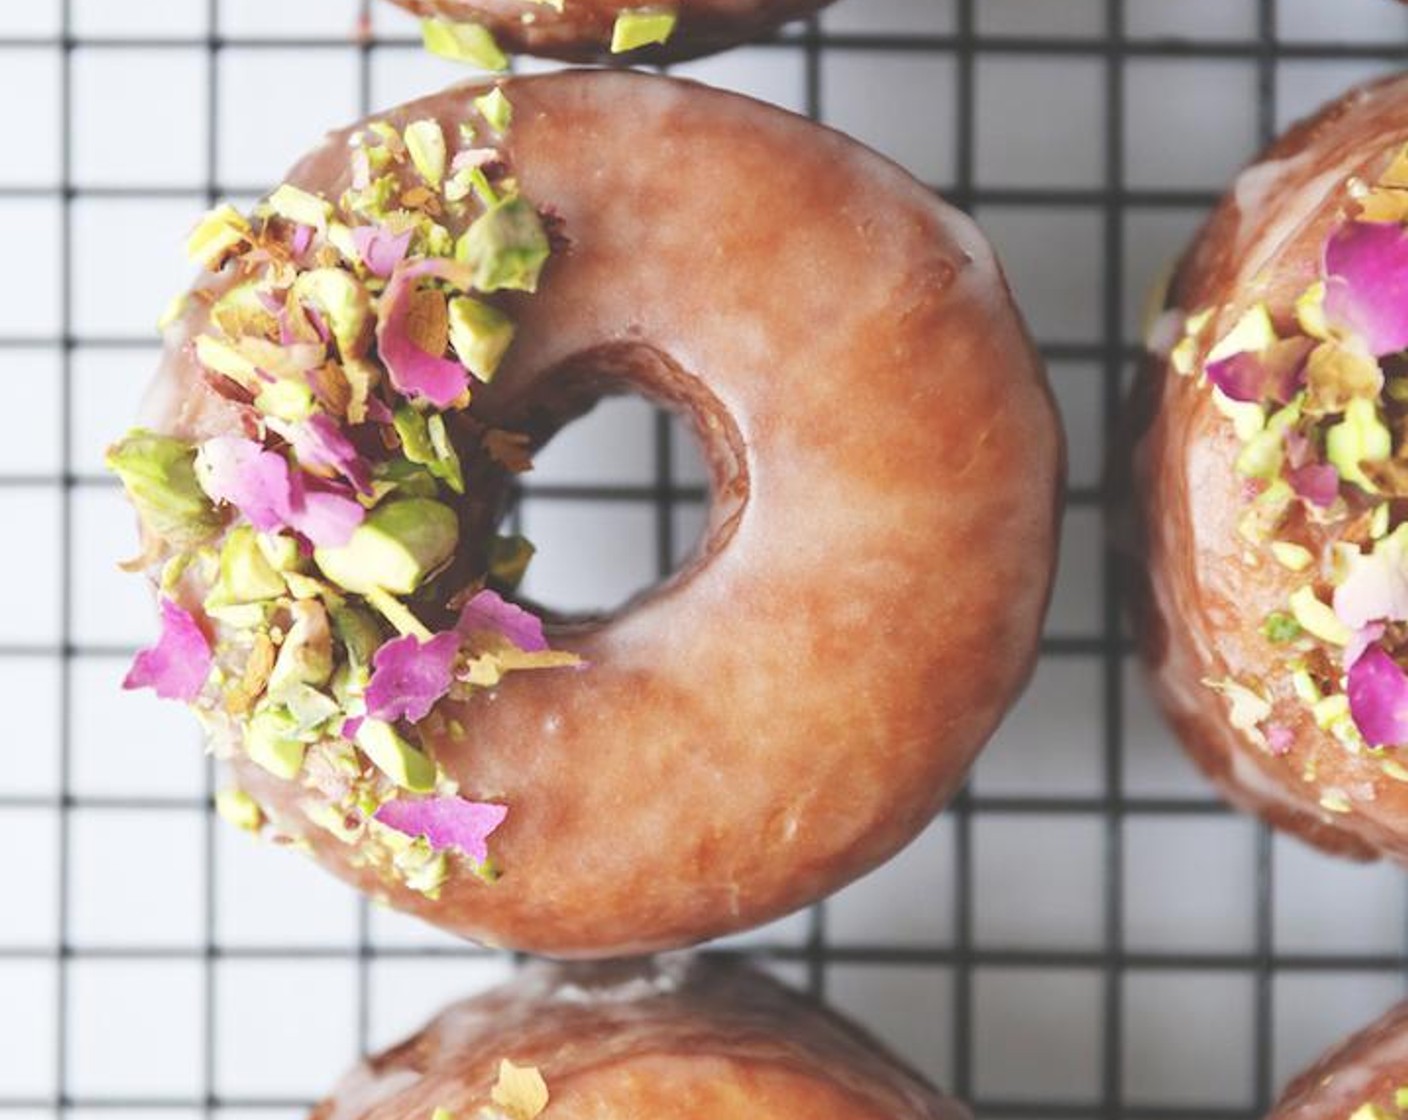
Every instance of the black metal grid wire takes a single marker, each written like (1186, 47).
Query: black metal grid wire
(965, 45)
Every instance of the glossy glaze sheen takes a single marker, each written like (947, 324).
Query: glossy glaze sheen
(1198, 602)
(688, 1042)
(581, 32)
(1368, 1068)
(798, 703)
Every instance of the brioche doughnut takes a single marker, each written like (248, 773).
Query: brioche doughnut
(1364, 1078)
(593, 30)
(1268, 482)
(630, 1042)
(797, 702)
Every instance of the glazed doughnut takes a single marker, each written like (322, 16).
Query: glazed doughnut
(633, 1042)
(1364, 1078)
(796, 703)
(1268, 477)
(594, 30)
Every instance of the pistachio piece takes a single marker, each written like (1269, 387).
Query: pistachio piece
(641, 27)
(426, 442)
(508, 559)
(481, 334)
(1317, 618)
(496, 109)
(306, 655)
(394, 549)
(296, 205)
(269, 742)
(344, 303)
(158, 473)
(506, 247)
(239, 809)
(246, 576)
(216, 236)
(359, 634)
(463, 42)
(1361, 437)
(395, 757)
(425, 141)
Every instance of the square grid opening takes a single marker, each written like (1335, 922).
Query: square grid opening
(1049, 948)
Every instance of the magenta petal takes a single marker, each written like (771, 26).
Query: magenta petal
(413, 372)
(1378, 699)
(319, 442)
(1375, 588)
(380, 250)
(178, 665)
(1279, 738)
(490, 611)
(409, 676)
(254, 481)
(323, 512)
(1241, 377)
(1361, 640)
(1366, 284)
(1317, 484)
(446, 822)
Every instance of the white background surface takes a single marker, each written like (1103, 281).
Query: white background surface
(204, 974)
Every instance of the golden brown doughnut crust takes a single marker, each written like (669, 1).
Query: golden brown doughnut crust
(689, 1041)
(1368, 1069)
(581, 32)
(797, 704)
(1198, 603)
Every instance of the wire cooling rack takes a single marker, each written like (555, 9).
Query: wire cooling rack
(1087, 933)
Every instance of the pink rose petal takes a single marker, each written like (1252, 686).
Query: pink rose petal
(490, 611)
(1361, 640)
(381, 251)
(323, 512)
(302, 238)
(1241, 377)
(1376, 587)
(1318, 484)
(1378, 699)
(178, 665)
(319, 442)
(413, 372)
(446, 822)
(1279, 738)
(409, 676)
(1366, 284)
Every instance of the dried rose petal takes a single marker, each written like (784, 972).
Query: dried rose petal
(1366, 284)
(323, 512)
(446, 822)
(412, 371)
(1318, 484)
(1378, 699)
(319, 442)
(302, 238)
(1363, 638)
(1376, 587)
(256, 482)
(381, 251)
(1275, 373)
(490, 611)
(409, 676)
(1279, 738)
(178, 665)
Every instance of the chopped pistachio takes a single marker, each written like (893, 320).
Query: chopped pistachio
(1246, 708)
(426, 443)
(269, 743)
(506, 246)
(1292, 556)
(1252, 333)
(496, 109)
(216, 236)
(239, 809)
(425, 141)
(221, 357)
(358, 632)
(1400, 1098)
(343, 301)
(520, 1090)
(1361, 437)
(508, 559)
(1248, 418)
(1337, 374)
(158, 473)
(1306, 690)
(1335, 801)
(394, 549)
(395, 757)
(306, 655)
(463, 42)
(1318, 618)
(286, 399)
(1280, 627)
(641, 27)
(398, 614)
(1329, 710)
(442, 1114)
(246, 576)
(1395, 770)
(297, 205)
(1310, 311)
(481, 334)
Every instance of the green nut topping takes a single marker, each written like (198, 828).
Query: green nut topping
(246, 576)
(239, 809)
(1361, 437)
(394, 549)
(496, 110)
(425, 141)
(395, 757)
(344, 301)
(269, 741)
(642, 27)
(481, 334)
(296, 205)
(506, 246)
(159, 475)
(471, 43)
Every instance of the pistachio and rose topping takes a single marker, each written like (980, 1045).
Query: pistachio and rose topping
(474, 44)
(519, 1093)
(1318, 400)
(317, 601)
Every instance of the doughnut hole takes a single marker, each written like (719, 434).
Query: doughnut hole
(644, 490)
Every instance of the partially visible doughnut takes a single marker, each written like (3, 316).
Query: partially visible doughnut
(1278, 677)
(688, 1041)
(796, 703)
(1363, 1078)
(593, 30)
